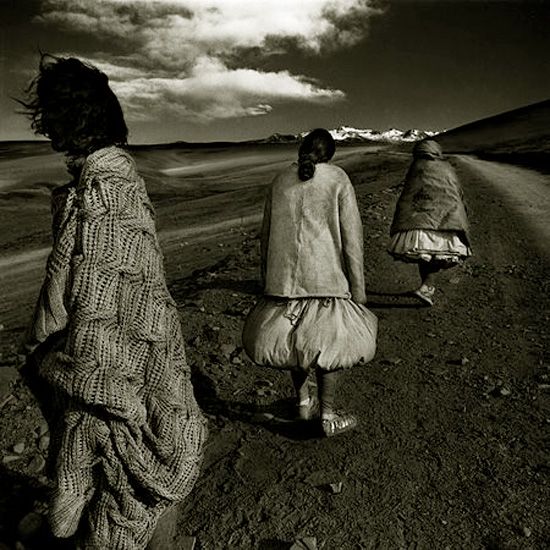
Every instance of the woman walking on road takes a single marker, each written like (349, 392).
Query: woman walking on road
(106, 355)
(312, 318)
(430, 226)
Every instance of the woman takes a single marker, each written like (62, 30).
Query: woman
(430, 226)
(312, 317)
(106, 350)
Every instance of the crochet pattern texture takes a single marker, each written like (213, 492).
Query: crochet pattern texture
(127, 434)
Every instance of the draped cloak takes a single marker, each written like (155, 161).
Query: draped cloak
(432, 197)
(127, 434)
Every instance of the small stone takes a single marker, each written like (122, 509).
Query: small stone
(19, 447)
(463, 361)
(237, 360)
(1, 327)
(391, 361)
(228, 349)
(44, 442)
(527, 531)
(37, 464)
(262, 417)
(335, 488)
(505, 392)
(304, 543)
(196, 341)
(29, 526)
(41, 429)
(8, 459)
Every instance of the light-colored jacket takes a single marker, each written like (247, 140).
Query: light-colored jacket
(312, 236)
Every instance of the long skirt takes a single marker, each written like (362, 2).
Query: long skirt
(428, 245)
(310, 333)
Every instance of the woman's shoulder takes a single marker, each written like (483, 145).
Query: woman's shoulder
(112, 160)
(286, 174)
(333, 173)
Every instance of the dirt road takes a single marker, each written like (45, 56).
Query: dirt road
(452, 448)
(451, 452)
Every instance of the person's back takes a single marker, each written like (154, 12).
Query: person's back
(430, 225)
(312, 318)
(305, 242)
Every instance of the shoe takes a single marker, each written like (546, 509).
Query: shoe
(425, 294)
(310, 410)
(339, 423)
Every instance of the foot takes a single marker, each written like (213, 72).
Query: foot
(337, 423)
(308, 410)
(426, 294)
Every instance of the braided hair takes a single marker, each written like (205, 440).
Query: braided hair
(317, 146)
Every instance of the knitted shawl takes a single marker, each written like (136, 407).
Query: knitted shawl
(128, 432)
(432, 197)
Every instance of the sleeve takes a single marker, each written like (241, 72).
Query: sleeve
(264, 235)
(351, 230)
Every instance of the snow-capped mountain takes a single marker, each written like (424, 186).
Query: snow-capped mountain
(347, 133)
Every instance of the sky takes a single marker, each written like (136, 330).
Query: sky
(208, 70)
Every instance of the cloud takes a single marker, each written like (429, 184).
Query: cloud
(187, 56)
(212, 90)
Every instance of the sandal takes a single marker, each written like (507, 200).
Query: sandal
(425, 294)
(310, 410)
(339, 423)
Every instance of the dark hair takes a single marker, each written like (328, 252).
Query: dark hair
(317, 146)
(71, 103)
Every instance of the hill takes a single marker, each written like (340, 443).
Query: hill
(520, 136)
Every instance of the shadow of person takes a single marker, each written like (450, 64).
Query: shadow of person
(252, 287)
(394, 300)
(276, 417)
(17, 501)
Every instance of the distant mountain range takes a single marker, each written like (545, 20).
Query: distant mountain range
(348, 134)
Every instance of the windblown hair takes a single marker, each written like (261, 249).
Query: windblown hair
(71, 103)
(317, 146)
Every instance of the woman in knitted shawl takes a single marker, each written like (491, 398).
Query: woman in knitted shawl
(312, 318)
(430, 226)
(106, 355)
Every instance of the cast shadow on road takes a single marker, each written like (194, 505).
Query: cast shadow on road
(19, 495)
(243, 286)
(393, 300)
(382, 300)
(276, 417)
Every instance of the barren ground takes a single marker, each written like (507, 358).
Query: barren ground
(452, 448)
